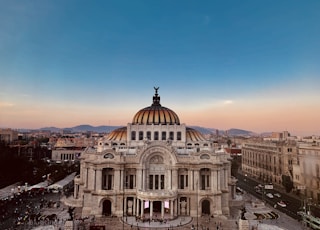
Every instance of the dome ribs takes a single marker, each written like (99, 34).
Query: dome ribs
(155, 114)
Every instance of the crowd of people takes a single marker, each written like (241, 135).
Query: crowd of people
(26, 208)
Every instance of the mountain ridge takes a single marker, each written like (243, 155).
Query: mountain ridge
(108, 128)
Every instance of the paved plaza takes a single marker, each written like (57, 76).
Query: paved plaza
(282, 222)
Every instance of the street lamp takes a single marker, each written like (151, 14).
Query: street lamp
(197, 204)
(123, 184)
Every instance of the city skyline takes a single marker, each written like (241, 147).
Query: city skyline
(248, 65)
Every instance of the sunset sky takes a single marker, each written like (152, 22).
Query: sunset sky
(251, 65)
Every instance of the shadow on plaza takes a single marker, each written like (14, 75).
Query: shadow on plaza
(181, 222)
(156, 223)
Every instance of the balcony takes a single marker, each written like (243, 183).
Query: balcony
(157, 194)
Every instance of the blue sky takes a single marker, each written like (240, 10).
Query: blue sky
(222, 64)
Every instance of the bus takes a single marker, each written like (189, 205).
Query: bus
(310, 221)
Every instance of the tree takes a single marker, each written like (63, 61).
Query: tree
(229, 142)
(287, 183)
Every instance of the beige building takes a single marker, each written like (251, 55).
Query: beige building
(268, 161)
(155, 167)
(8, 135)
(306, 169)
(69, 147)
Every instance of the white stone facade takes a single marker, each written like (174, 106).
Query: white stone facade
(161, 169)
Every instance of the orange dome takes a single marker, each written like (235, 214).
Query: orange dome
(156, 114)
(194, 135)
(119, 134)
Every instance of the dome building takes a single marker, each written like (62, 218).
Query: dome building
(155, 168)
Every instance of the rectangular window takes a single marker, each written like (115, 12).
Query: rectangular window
(150, 181)
(186, 180)
(203, 182)
(104, 182)
(156, 182)
(131, 182)
(162, 181)
(140, 135)
(179, 136)
(133, 135)
(164, 136)
(181, 181)
(109, 182)
(156, 136)
(149, 135)
(171, 136)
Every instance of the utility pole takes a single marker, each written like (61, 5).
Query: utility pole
(123, 190)
(197, 204)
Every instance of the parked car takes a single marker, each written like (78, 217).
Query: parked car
(269, 195)
(281, 203)
(277, 195)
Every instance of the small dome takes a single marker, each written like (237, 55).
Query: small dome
(119, 134)
(194, 135)
(156, 114)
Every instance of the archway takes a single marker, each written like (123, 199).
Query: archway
(205, 207)
(106, 208)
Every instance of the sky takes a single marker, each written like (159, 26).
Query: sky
(248, 64)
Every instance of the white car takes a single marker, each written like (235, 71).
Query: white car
(269, 195)
(277, 195)
(282, 204)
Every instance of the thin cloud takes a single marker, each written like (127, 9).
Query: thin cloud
(4, 104)
(228, 102)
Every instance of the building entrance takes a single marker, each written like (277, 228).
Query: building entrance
(106, 208)
(205, 207)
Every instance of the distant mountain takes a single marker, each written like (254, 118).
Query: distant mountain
(84, 128)
(240, 132)
(107, 129)
(202, 129)
(51, 129)
(98, 129)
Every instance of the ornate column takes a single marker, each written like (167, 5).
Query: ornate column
(117, 182)
(139, 179)
(226, 176)
(190, 173)
(125, 206)
(134, 206)
(90, 179)
(162, 210)
(75, 191)
(214, 187)
(219, 180)
(151, 209)
(196, 180)
(138, 207)
(122, 180)
(169, 176)
(98, 179)
(171, 209)
(143, 179)
(142, 208)
(174, 179)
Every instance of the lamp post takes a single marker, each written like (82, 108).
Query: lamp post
(123, 184)
(197, 204)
